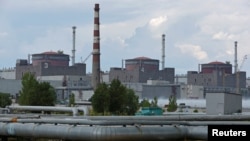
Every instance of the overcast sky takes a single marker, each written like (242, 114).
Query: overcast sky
(197, 31)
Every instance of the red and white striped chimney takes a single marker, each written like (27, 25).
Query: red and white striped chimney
(96, 49)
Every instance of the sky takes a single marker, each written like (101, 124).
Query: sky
(197, 32)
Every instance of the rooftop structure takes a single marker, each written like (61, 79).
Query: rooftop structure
(141, 69)
(51, 58)
(49, 64)
(142, 63)
(216, 65)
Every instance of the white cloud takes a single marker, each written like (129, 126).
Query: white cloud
(193, 50)
(229, 52)
(155, 22)
(53, 40)
(128, 29)
(223, 36)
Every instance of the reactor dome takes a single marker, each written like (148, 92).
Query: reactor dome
(51, 58)
(142, 63)
(216, 65)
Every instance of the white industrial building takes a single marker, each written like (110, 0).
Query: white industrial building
(223, 103)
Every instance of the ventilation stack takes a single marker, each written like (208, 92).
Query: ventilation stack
(163, 51)
(235, 58)
(73, 50)
(96, 49)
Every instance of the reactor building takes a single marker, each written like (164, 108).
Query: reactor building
(49, 64)
(217, 76)
(141, 69)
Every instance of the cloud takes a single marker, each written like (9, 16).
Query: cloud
(193, 50)
(155, 22)
(52, 40)
(223, 36)
(127, 29)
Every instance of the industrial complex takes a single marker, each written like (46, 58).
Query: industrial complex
(142, 74)
(222, 88)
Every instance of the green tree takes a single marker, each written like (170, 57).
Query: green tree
(154, 102)
(46, 94)
(101, 99)
(117, 93)
(114, 98)
(29, 86)
(131, 104)
(172, 106)
(5, 100)
(145, 103)
(35, 93)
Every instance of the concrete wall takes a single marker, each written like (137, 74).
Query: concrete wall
(139, 76)
(160, 91)
(8, 74)
(192, 92)
(215, 103)
(216, 79)
(41, 70)
(223, 103)
(10, 86)
(233, 103)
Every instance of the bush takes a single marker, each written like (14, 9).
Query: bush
(172, 106)
(5, 100)
(195, 111)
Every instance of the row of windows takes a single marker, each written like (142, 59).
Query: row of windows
(65, 58)
(144, 62)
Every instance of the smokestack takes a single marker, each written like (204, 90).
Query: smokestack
(235, 61)
(73, 50)
(163, 51)
(96, 49)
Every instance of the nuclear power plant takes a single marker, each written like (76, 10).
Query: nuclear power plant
(215, 82)
(141, 73)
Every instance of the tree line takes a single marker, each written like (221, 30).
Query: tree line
(108, 99)
(115, 99)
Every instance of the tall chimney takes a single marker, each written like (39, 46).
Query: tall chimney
(96, 50)
(163, 51)
(235, 61)
(73, 50)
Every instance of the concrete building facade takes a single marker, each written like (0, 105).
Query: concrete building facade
(49, 64)
(163, 90)
(223, 103)
(9, 73)
(141, 69)
(160, 91)
(217, 75)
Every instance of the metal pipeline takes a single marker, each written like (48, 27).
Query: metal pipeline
(74, 110)
(106, 128)
(119, 122)
(173, 118)
(103, 133)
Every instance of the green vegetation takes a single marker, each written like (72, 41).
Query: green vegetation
(36, 93)
(114, 99)
(195, 111)
(172, 106)
(5, 100)
(147, 103)
(150, 108)
(71, 100)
